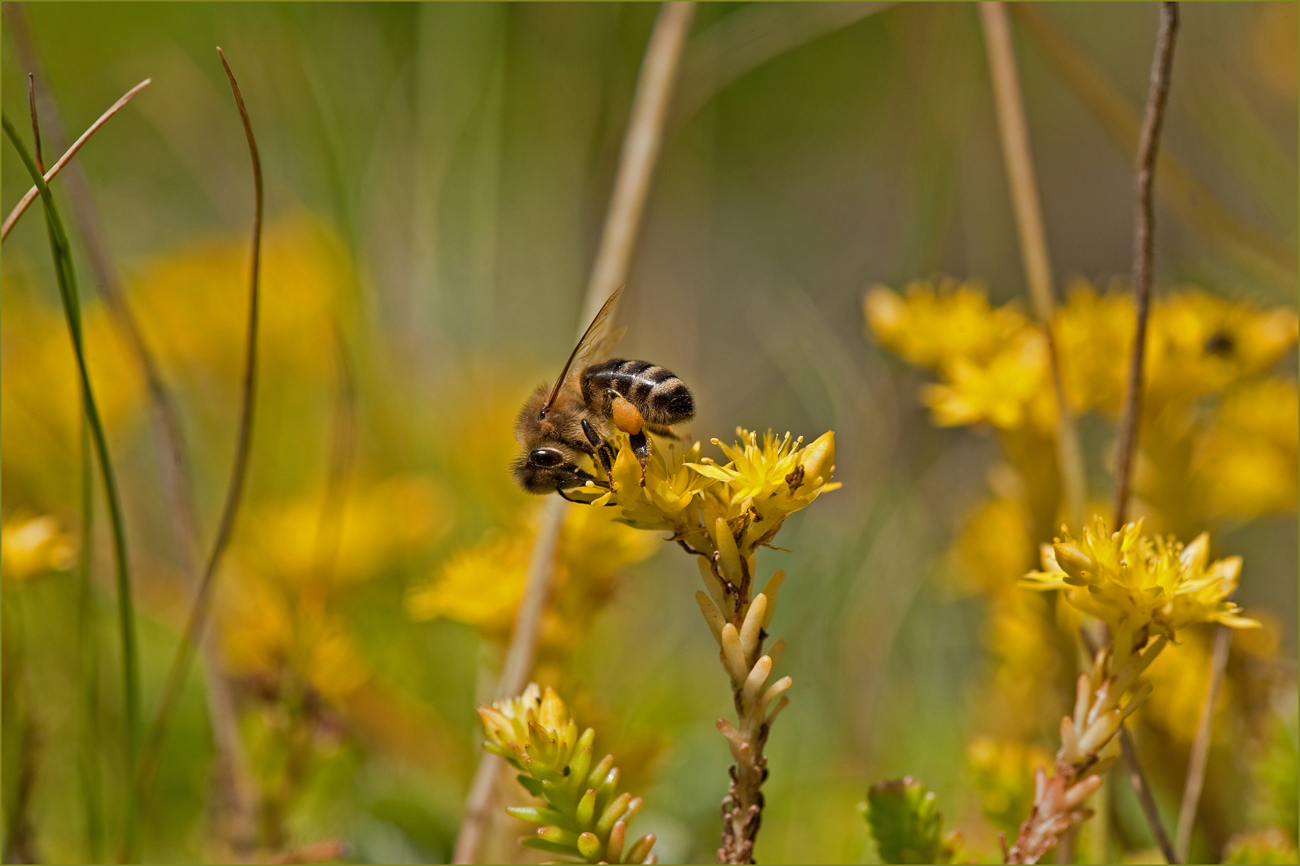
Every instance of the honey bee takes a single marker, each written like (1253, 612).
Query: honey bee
(580, 412)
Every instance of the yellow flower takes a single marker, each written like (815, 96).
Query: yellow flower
(993, 546)
(267, 631)
(1137, 584)
(377, 523)
(1011, 390)
(1199, 344)
(938, 326)
(753, 493)
(193, 302)
(31, 546)
(1247, 459)
(483, 585)
(582, 817)
(1094, 340)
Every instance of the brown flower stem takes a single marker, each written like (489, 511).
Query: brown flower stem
(742, 807)
(1143, 254)
(1204, 213)
(1033, 238)
(1201, 745)
(1144, 248)
(1142, 788)
(194, 626)
(641, 144)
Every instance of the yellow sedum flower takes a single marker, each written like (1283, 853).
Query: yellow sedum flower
(1011, 390)
(482, 585)
(1138, 585)
(32, 546)
(752, 494)
(935, 326)
(1247, 461)
(583, 817)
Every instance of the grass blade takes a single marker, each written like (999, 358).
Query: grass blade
(126, 613)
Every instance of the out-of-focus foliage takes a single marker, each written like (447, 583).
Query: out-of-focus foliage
(906, 823)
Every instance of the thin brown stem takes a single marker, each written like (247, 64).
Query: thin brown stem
(1025, 202)
(238, 473)
(641, 144)
(1200, 209)
(36, 125)
(30, 197)
(231, 803)
(1142, 788)
(1201, 745)
(1144, 248)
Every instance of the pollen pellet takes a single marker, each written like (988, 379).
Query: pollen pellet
(626, 416)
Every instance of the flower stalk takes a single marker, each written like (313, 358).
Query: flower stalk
(722, 514)
(1145, 590)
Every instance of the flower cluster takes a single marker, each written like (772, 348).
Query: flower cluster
(583, 817)
(722, 513)
(1145, 590)
(993, 362)
(1138, 585)
(686, 494)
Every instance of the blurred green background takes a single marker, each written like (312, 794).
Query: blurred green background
(437, 175)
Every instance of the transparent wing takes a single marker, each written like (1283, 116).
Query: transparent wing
(596, 339)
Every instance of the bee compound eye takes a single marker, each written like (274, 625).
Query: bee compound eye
(545, 457)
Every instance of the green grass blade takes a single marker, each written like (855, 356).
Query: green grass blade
(89, 666)
(126, 614)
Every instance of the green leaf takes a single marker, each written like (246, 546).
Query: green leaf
(905, 821)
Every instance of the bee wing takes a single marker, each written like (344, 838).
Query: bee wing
(594, 339)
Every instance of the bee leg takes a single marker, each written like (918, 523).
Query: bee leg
(641, 448)
(602, 450)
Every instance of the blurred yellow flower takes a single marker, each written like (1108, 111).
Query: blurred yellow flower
(193, 303)
(1094, 340)
(1198, 344)
(935, 326)
(40, 386)
(32, 546)
(482, 585)
(267, 631)
(377, 523)
(1247, 458)
(993, 547)
(1011, 390)
(1137, 584)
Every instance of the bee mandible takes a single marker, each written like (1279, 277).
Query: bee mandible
(589, 401)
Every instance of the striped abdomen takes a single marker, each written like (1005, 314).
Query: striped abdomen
(660, 396)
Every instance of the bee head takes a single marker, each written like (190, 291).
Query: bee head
(548, 468)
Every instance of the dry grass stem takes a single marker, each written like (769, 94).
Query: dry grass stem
(1201, 745)
(27, 199)
(1144, 250)
(640, 152)
(1197, 206)
(1033, 238)
(1143, 254)
(198, 612)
